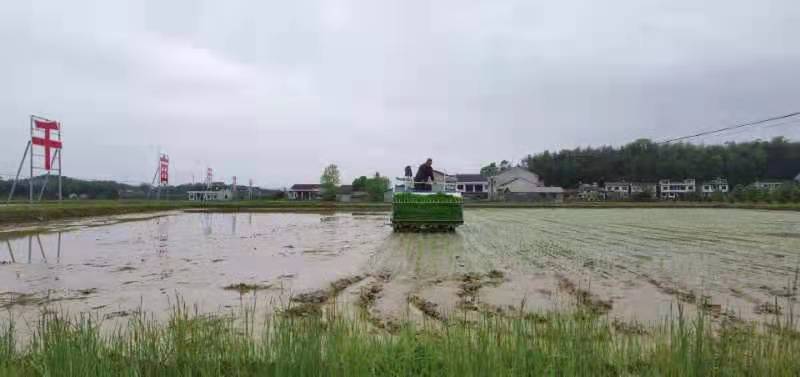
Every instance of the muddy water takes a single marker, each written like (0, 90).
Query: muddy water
(631, 264)
(121, 268)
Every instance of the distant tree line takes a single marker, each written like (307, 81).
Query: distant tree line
(89, 189)
(646, 161)
(110, 190)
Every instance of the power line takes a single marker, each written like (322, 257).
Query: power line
(791, 122)
(731, 128)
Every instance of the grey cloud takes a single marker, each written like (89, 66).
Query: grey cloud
(276, 90)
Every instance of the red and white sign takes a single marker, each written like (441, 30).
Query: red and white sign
(49, 129)
(164, 163)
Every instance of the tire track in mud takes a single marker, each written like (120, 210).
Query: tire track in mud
(311, 303)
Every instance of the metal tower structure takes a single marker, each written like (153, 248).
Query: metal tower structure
(162, 174)
(45, 137)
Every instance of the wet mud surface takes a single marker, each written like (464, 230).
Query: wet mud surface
(631, 265)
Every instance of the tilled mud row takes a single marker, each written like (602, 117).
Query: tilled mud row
(389, 301)
(311, 302)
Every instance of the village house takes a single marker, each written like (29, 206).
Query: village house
(472, 186)
(345, 193)
(630, 190)
(591, 193)
(210, 195)
(520, 184)
(303, 191)
(718, 185)
(618, 190)
(770, 185)
(670, 189)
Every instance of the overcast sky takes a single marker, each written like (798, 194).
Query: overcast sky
(275, 90)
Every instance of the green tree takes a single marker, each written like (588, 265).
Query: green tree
(753, 194)
(329, 182)
(644, 160)
(376, 187)
(490, 170)
(360, 183)
(717, 196)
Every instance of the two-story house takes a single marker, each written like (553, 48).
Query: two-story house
(670, 189)
(719, 185)
(618, 190)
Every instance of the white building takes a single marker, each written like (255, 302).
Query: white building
(512, 179)
(303, 191)
(618, 190)
(676, 189)
(628, 190)
(520, 184)
(472, 185)
(209, 195)
(715, 185)
(767, 185)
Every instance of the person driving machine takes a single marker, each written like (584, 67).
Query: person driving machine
(423, 181)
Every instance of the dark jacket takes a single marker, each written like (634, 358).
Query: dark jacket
(423, 173)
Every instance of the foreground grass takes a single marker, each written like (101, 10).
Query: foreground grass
(562, 345)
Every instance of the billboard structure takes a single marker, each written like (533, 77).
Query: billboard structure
(43, 151)
(162, 174)
(163, 161)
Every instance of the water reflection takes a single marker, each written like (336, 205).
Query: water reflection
(162, 226)
(40, 246)
(11, 252)
(207, 222)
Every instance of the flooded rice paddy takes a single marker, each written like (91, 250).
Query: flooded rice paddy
(627, 264)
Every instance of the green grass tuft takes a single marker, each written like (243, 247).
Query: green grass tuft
(553, 344)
